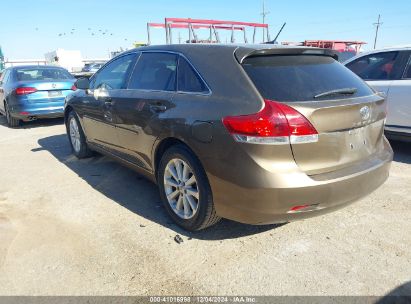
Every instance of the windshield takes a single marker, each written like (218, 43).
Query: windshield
(33, 74)
(302, 77)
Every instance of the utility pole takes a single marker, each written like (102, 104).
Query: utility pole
(264, 14)
(377, 25)
(179, 38)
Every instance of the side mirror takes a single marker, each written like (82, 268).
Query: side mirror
(101, 94)
(382, 94)
(82, 83)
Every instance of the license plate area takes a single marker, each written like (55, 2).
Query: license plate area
(55, 94)
(357, 139)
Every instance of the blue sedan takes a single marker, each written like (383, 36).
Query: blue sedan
(31, 92)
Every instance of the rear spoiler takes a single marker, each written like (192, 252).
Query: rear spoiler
(243, 53)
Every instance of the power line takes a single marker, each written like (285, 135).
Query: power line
(377, 25)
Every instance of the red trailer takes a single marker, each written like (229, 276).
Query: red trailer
(212, 25)
(346, 49)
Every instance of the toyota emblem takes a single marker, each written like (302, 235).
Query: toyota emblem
(365, 113)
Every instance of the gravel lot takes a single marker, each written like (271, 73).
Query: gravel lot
(93, 227)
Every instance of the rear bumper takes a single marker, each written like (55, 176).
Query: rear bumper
(398, 133)
(38, 110)
(323, 193)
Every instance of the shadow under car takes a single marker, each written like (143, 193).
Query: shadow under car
(134, 192)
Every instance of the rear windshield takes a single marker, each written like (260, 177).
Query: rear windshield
(301, 77)
(28, 74)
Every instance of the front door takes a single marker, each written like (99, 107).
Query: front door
(106, 88)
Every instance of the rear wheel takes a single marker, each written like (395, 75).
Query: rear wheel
(11, 121)
(76, 137)
(185, 190)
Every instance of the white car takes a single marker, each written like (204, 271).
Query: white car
(389, 71)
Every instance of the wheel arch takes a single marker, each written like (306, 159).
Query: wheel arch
(163, 145)
(67, 110)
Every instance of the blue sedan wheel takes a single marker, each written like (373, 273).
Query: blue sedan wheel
(11, 121)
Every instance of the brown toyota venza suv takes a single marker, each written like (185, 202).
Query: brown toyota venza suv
(256, 134)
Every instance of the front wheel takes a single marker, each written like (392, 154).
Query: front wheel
(76, 137)
(11, 121)
(185, 190)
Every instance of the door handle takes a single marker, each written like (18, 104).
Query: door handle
(158, 108)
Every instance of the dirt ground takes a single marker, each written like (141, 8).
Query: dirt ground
(93, 227)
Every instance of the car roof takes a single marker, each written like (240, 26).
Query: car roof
(241, 51)
(397, 47)
(381, 50)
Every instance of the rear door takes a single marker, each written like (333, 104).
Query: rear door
(150, 92)
(350, 125)
(107, 88)
(377, 69)
(399, 99)
(386, 72)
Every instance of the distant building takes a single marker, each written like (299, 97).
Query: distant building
(70, 60)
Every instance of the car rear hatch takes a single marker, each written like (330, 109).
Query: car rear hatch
(347, 115)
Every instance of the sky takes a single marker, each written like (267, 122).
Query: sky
(29, 29)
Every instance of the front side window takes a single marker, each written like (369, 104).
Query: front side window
(188, 79)
(155, 71)
(114, 75)
(375, 66)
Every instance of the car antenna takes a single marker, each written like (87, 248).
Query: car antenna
(279, 32)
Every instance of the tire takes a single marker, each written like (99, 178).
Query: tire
(189, 193)
(77, 139)
(11, 121)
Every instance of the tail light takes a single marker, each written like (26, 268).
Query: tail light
(25, 90)
(276, 123)
(73, 88)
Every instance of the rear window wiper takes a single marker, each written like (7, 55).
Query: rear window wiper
(346, 91)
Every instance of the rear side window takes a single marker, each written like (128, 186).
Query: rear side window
(301, 77)
(188, 79)
(375, 66)
(155, 71)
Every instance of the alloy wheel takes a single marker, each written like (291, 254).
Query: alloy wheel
(181, 188)
(75, 135)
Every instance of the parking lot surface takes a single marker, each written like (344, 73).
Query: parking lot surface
(93, 227)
